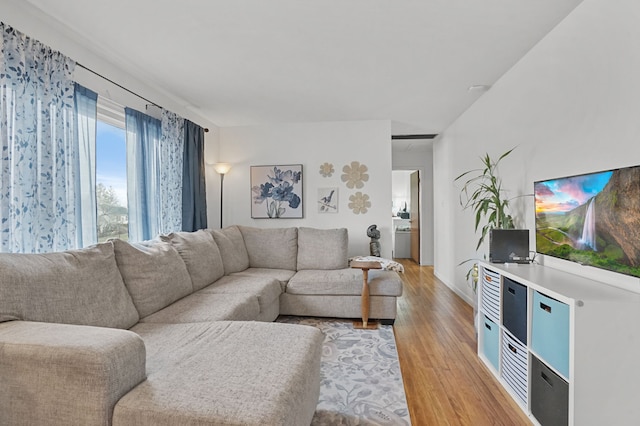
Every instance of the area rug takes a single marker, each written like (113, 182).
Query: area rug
(361, 383)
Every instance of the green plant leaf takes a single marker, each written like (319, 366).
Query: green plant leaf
(505, 154)
(482, 193)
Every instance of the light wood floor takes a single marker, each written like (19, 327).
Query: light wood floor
(445, 382)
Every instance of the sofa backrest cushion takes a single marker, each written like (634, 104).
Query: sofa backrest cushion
(200, 253)
(322, 248)
(232, 249)
(82, 287)
(275, 248)
(154, 274)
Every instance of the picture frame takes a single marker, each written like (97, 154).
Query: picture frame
(276, 192)
(327, 200)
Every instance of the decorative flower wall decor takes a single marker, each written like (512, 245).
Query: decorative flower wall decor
(275, 191)
(359, 203)
(326, 170)
(355, 175)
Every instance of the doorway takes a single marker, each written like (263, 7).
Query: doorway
(406, 212)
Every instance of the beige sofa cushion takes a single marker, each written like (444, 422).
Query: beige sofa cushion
(201, 255)
(322, 248)
(154, 274)
(82, 287)
(208, 307)
(232, 249)
(281, 275)
(265, 289)
(344, 282)
(275, 248)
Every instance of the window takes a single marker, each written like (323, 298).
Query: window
(111, 172)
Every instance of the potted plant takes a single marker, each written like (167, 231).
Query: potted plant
(482, 192)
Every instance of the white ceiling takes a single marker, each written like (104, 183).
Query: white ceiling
(244, 62)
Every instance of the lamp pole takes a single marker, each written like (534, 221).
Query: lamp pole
(221, 169)
(221, 198)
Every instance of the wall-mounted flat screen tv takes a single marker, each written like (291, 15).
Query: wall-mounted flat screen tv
(592, 219)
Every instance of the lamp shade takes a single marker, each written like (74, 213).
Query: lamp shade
(222, 168)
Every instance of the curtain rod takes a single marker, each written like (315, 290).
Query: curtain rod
(124, 88)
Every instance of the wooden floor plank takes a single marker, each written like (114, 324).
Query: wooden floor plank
(445, 382)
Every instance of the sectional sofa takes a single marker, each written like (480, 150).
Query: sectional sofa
(177, 330)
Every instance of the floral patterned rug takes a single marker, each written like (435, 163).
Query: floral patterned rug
(361, 382)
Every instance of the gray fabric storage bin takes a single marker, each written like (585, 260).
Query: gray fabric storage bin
(514, 308)
(549, 395)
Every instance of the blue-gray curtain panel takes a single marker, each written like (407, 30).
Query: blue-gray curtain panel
(194, 203)
(143, 174)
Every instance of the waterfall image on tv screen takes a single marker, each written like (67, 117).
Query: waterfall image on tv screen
(592, 219)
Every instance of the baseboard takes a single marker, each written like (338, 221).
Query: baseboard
(456, 290)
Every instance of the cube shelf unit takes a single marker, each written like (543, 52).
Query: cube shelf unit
(566, 348)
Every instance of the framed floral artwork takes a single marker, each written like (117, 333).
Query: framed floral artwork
(327, 200)
(276, 192)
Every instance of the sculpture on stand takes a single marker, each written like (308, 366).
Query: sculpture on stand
(374, 245)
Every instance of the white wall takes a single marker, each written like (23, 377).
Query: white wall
(30, 21)
(571, 105)
(312, 144)
(421, 159)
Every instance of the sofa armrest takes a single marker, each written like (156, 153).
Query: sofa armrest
(59, 374)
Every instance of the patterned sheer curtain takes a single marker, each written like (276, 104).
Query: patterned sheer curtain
(143, 174)
(86, 112)
(39, 161)
(170, 157)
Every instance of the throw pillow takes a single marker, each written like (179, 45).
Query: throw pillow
(81, 287)
(201, 255)
(154, 274)
(322, 248)
(275, 248)
(232, 249)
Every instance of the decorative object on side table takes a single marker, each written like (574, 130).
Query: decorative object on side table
(386, 264)
(277, 192)
(374, 245)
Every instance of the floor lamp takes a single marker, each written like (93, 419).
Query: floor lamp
(221, 169)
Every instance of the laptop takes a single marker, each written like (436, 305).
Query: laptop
(509, 246)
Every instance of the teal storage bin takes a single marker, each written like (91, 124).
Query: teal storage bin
(550, 332)
(490, 342)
